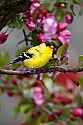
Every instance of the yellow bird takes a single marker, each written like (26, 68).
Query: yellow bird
(35, 57)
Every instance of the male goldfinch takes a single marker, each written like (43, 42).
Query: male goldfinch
(35, 57)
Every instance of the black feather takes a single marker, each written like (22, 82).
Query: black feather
(21, 58)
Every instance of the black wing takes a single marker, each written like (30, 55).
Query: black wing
(21, 58)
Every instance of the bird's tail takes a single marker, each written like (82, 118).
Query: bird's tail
(16, 60)
(21, 58)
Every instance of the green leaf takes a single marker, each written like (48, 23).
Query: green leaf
(52, 63)
(62, 118)
(79, 100)
(51, 123)
(25, 108)
(50, 106)
(18, 52)
(16, 22)
(80, 12)
(60, 1)
(15, 89)
(81, 60)
(4, 59)
(1, 81)
(15, 112)
(34, 41)
(62, 51)
(81, 81)
(76, 1)
(60, 14)
(50, 5)
(44, 117)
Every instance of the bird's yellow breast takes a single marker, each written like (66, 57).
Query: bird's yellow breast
(41, 55)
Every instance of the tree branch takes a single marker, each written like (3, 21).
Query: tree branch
(25, 37)
(41, 70)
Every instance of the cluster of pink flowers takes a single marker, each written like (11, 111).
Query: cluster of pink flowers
(29, 19)
(76, 112)
(60, 99)
(54, 30)
(50, 28)
(37, 93)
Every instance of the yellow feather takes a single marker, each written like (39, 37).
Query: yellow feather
(41, 55)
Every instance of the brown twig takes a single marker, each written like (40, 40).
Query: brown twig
(41, 70)
(25, 37)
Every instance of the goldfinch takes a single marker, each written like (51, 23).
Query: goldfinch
(35, 57)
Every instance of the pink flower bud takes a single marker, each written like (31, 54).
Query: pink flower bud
(51, 117)
(59, 113)
(50, 25)
(69, 18)
(62, 26)
(64, 36)
(78, 112)
(38, 95)
(54, 115)
(59, 99)
(34, 6)
(3, 38)
(14, 81)
(44, 12)
(41, 37)
(70, 86)
(10, 93)
(30, 24)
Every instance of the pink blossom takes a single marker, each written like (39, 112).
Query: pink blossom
(70, 85)
(78, 112)
(41, 37)
(50, 28)
(40, 19)
(64, 36)
(44, 37)
(34, 6)
(30, 24)
(42, 16)
(38, 95)
(69, 18)
(62, 26)
(50, 25)
(3, 37)
(61, 99)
